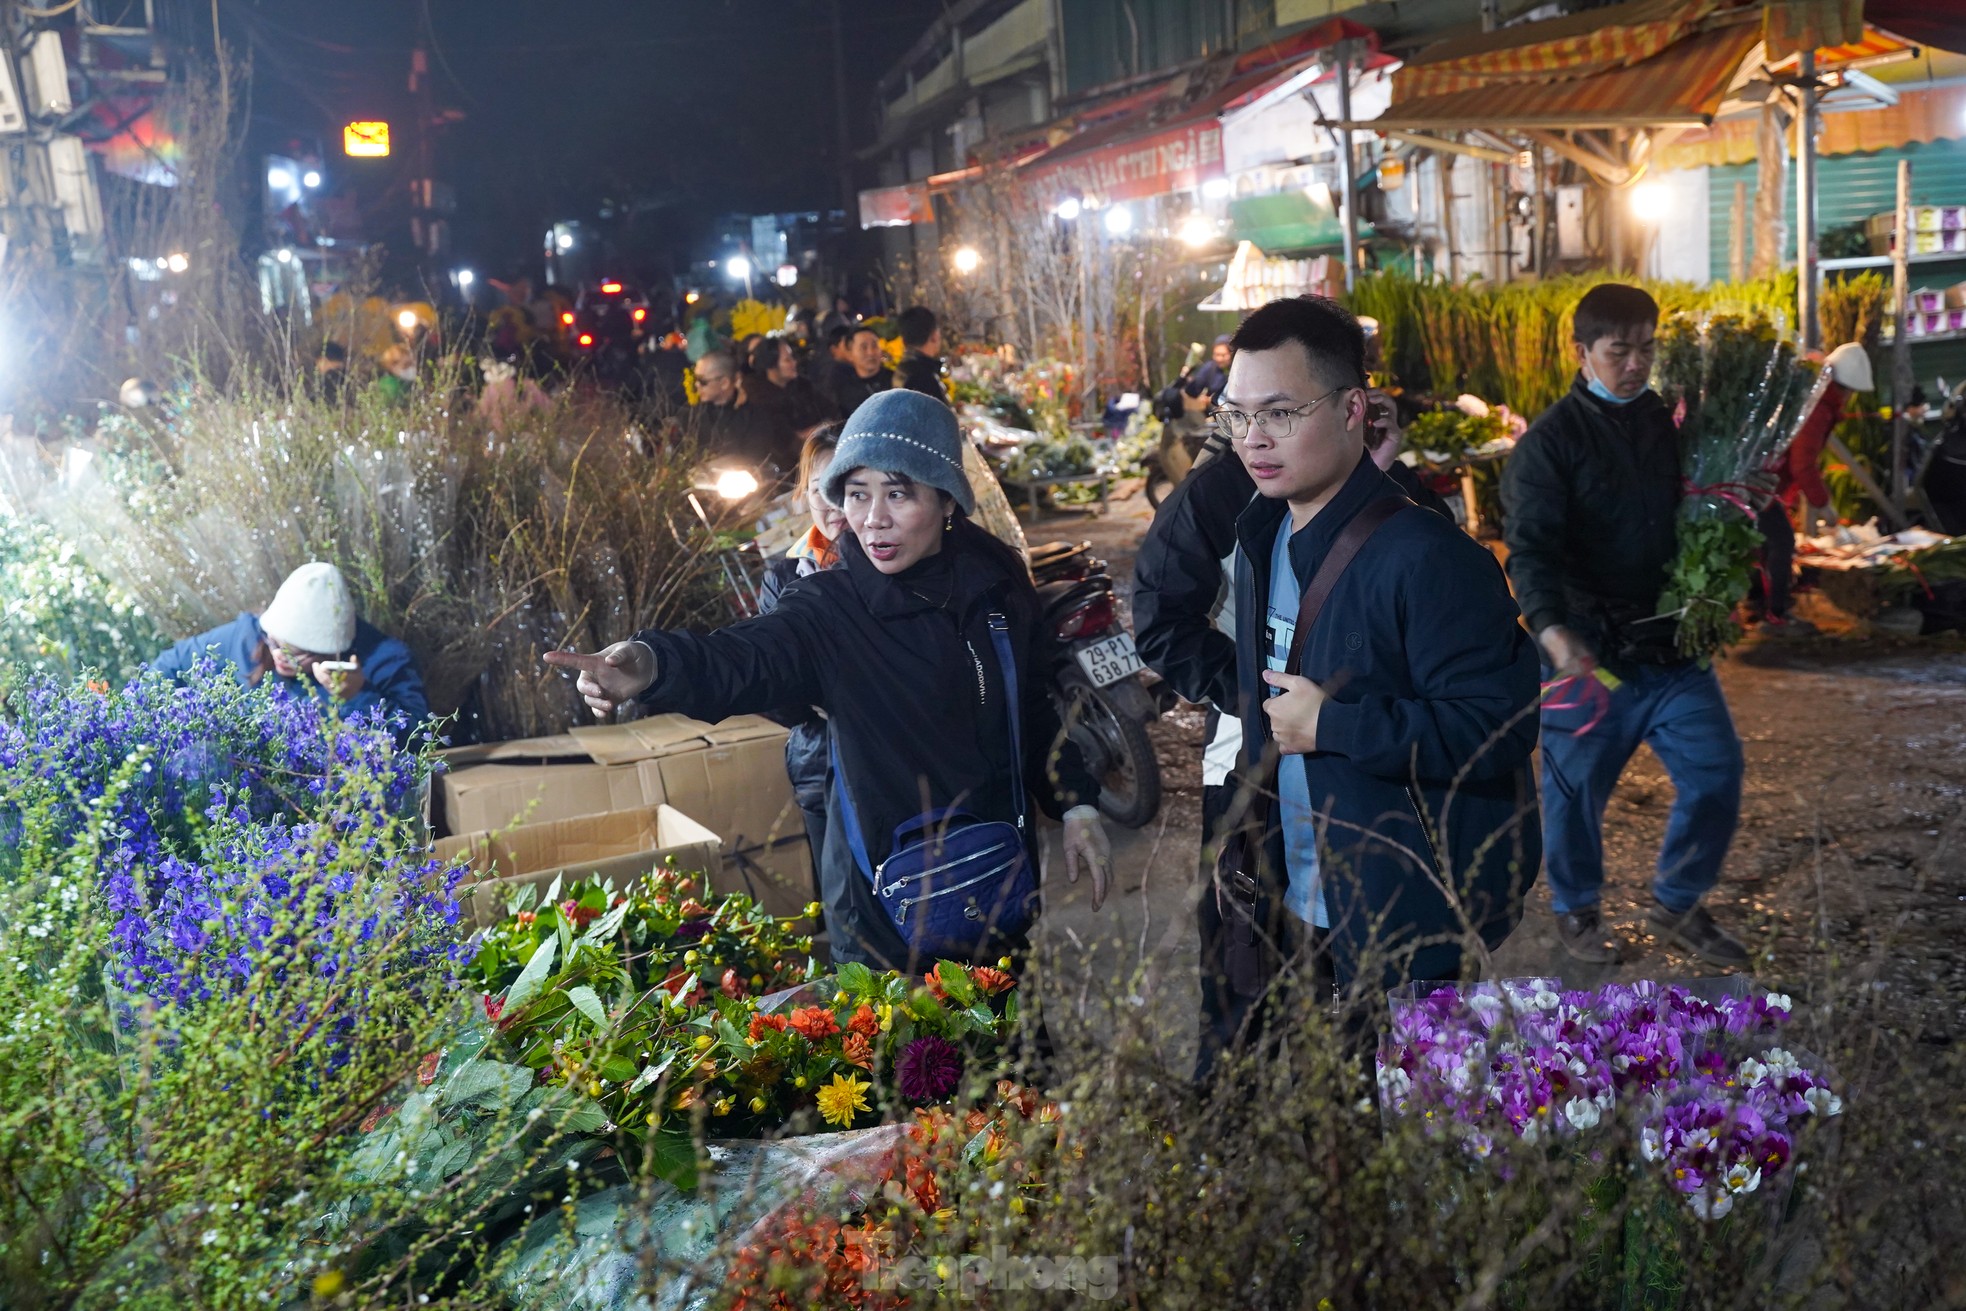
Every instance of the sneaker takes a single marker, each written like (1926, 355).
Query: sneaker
(1695, 931)
(1582, 934)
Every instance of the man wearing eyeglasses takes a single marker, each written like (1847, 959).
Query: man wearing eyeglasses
(310, 641)
(1406, 828)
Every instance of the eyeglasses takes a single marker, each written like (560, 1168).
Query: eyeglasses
(1234, 424)
(292, 655)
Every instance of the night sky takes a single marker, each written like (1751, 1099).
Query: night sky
(680, 110)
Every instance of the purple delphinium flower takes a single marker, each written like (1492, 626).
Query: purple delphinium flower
(929, 1069)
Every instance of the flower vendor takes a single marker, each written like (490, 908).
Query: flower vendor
(311, 640)
(1592, 493)
(912, 649)
(1406, 816)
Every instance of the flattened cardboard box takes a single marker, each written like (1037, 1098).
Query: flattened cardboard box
(622, 845)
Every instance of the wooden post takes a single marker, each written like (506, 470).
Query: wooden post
(1902, 381)
(1737, 237)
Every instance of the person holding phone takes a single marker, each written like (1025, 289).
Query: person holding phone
(310, 641)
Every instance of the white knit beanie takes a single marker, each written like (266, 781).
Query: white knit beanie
(313, 611)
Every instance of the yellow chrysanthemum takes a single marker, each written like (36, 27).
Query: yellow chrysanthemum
(841, 1099)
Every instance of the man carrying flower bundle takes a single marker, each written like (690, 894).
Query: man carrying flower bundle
(1592, 494)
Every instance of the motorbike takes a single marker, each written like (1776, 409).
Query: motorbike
(1097, 685)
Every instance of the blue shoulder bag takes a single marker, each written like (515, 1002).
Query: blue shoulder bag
(955, 885)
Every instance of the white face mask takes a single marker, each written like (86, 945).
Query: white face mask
(1604, 393)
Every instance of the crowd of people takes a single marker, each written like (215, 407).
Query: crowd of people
(1376, 686)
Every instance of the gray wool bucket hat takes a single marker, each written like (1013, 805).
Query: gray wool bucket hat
(902, 432)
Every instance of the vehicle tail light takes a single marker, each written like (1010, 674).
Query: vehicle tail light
(1090, 619)
(566, 317)
(640, 315)
(587, 339)
(610, 288)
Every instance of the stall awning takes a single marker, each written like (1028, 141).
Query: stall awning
(1685, 82)
(1288, 222)
(1167, 145)
(1584, 45)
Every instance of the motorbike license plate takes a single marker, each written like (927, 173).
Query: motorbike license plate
(1108, 661)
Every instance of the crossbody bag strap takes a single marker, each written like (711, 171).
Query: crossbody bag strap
(1350, 541)
(855, 842)
(1000, 639)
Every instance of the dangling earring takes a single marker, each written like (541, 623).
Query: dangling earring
(949, 524)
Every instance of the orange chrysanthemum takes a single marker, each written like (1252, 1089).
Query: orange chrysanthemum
(814, 1023)
(857, 1051)
(992, 980)
(864, 1021)
(760, 1024)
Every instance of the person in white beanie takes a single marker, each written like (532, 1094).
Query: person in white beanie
(311, 641)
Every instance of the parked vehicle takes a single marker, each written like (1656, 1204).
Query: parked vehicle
(1097, 682)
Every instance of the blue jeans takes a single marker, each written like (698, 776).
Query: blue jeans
(1680, 713)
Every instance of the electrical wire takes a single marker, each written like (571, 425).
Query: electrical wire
(56, 12)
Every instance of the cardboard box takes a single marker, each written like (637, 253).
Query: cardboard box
(728, 777)
(622, 845)
(479, 798)
(731, 777)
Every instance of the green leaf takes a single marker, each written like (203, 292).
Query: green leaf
(672, 1156)
(488, 1085)
(588, 1003)
(533, 977)
(651, 1073)
(857, 979)
(604, 928)
(617, 1069)
(956, 982)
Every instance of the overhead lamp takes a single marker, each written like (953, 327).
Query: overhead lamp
(966, 259)
(1118, 221)
(284, 255)
(465, 277)
(1197, 230)
(738, 268)
(1068, 208)
(691, 297)
(279, 178)
(1217, 189)
(310, 179)
(178, 263)
(563, 240)
(406, 320)
(1649, 202)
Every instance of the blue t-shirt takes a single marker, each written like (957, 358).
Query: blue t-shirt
(1293, 789)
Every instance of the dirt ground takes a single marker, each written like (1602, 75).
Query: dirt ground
(1852, 845)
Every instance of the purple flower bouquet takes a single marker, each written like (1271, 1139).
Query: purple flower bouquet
(1694, 1071)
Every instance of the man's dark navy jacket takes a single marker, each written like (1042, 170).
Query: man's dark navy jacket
(1422, 778)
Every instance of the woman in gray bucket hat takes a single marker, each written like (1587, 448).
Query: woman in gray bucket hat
(912, 650)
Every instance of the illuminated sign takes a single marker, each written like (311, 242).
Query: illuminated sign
(366, 140)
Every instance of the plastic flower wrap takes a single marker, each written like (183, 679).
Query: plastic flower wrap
(1700, 1081)
(1739, 392)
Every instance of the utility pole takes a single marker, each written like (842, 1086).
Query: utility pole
(1347, 165)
